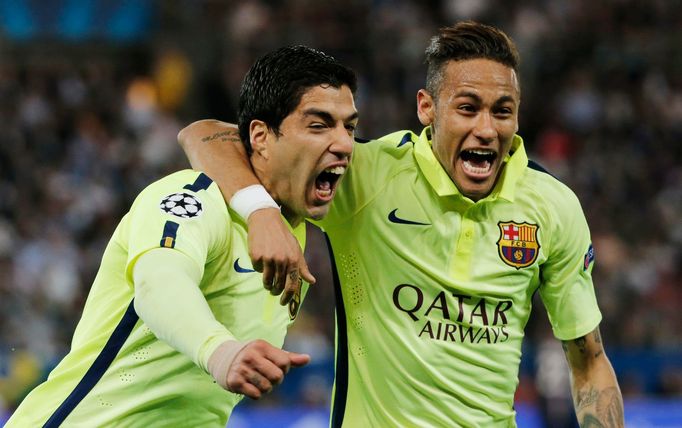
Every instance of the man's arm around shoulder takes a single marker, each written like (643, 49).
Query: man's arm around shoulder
(214, 147)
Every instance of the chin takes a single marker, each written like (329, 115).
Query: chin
(318, 213)
(475, 192)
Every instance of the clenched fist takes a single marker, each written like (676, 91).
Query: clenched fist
(252, 368)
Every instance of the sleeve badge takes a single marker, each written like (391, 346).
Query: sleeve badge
(181, 205)
(589, 257)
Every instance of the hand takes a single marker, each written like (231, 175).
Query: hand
(276, 253)
(254, 369)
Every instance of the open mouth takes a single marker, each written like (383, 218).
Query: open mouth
(478, 163)
(326, 182)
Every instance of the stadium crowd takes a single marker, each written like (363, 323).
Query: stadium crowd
(88, 123)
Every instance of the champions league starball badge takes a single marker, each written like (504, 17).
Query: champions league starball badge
(181, 205)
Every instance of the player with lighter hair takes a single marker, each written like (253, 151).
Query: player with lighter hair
(439, 241)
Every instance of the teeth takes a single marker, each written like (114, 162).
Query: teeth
(477, 170)
(324, 193)
(338, 170)
(481, 152)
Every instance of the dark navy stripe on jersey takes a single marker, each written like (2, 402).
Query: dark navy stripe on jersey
(96, 371)
(201, 183)
(170, 232)
(536, 166)
(341, 388)
(361, 140)
(406, 139)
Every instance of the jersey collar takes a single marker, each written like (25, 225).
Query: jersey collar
(516, 163)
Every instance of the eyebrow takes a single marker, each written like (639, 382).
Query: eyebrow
(504, 99)
(468, 94)
(326, 116)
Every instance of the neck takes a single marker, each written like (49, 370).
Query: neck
(266, 180)
(292, 218)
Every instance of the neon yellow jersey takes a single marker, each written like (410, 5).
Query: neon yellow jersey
(117, 372)
(435, 290)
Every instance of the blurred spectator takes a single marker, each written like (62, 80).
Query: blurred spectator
(553, 385)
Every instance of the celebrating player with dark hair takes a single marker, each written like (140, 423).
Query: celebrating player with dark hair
(176, 298)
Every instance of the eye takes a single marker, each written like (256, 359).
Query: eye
(503, 112)
(350, 127)
(317, 126)
(467, 108)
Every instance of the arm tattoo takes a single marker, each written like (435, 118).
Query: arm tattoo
(597, 338)
(598, 402)
(607, 410)
(231, 135)
(580, 343)
(586, 398)
(590, 421)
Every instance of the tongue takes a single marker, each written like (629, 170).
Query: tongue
(479, 163)
(323, 185)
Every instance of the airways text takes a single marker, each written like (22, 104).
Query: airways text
(454, 317)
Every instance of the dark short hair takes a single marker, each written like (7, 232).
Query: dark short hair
(467, 40)
(274, 85)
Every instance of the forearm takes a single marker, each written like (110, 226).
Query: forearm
(596, 396)
(214, 147)
(169, 301)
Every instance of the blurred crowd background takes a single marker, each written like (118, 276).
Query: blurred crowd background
(93, 93)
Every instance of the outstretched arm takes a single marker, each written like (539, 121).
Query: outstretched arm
(214, 147)
(169, 301)
(596, 395)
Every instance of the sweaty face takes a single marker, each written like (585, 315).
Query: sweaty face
(311, 153)
(473, 118)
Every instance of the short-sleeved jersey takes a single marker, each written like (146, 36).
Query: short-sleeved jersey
(117, 372)
(434, 290)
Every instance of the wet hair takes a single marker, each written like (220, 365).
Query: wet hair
(274, 85)
(467, 40)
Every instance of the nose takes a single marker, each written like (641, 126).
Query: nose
(342, 145)
(484, 129)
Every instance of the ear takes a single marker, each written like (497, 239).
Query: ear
(258, 133)
(426, 108)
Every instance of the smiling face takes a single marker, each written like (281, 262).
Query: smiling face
(302, 165)
(473, 120)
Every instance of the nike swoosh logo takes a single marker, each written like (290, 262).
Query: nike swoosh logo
(241, 269)
(393, 218)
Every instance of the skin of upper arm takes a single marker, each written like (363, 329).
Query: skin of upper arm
(582, 353)
(214, 147)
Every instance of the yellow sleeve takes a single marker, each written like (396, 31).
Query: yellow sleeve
(567, 290)
(169, 301)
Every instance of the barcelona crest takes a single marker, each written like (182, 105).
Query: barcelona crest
(518, 245)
